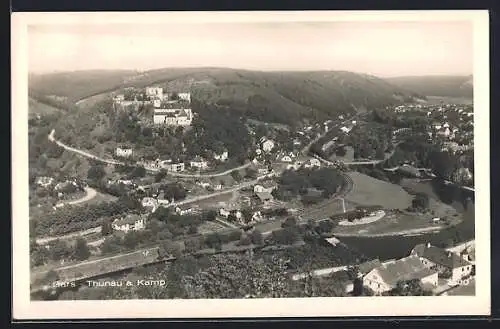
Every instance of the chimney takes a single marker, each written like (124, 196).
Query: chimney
(428, 245)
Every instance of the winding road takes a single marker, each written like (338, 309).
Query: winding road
(116, 162)
(90, 193)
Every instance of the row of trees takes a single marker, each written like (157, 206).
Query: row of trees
(293, 183)
(58, 250)
(75, 218)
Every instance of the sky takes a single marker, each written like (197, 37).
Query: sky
(384, 49)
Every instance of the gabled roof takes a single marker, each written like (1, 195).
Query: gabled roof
(264, 196)
(404, 269)
(129, 219)
(439, 256)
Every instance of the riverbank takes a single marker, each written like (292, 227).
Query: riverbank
(433, 229)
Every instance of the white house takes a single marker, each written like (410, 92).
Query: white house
(124, 152)
(199, 163)
(267, 145)
(386, 277)
(130, 222)
(44, 181)
(119, 98)
(155, 92)
(173, 167)
(257, 216)
(185, 96)
(224, 213)
(221, 157)
(313, 163)
(266, 186)
(157, 103)
(443, 261)
(345, 130)
(173, 117)
(182, 212)
(150, 203)
(258, 151)
(218, 187)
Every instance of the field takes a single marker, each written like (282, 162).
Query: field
(370, 191)
(215, 202)
(208, 227)
(327, 209)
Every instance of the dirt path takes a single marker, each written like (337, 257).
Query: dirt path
(90, 193)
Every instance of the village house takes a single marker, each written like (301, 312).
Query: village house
(130, 222)
(150, 204)
(182, 212)
(443, 261)
(312, 163)
(386, 277)
(154, 92)
(266, 144)
(218, 187)
(257, 217)
(175, 167)
(119, 98)
(44, 181)
(286, 158)
(265, 186)
(345, 130)
(203, 184)
(221, 157)
(124, 152)
(198, 162)
(185, 96)
(224, 213)
(265, 197)
(173, 117)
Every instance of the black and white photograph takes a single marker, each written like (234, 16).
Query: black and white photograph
(277, 163)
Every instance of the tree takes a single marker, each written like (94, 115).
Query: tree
(211, 215)
(169, 249)
(421, 201)
(257, 237)
(341, 151)
(106, 227)
(235, 174)
(160, 175)
(131, 239)
(443, 164)
(213, 240)
(250, 173)
(245, 240)
(289, 222)
(81, 251)
(247, 214)
(96, 172)
(59, 249)
(138, 172)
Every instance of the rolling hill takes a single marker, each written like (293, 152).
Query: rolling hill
(283, 97)
(447, 86)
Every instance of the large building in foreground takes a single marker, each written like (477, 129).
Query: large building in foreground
(173, 117)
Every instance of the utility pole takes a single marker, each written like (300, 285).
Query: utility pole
(343, 205)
